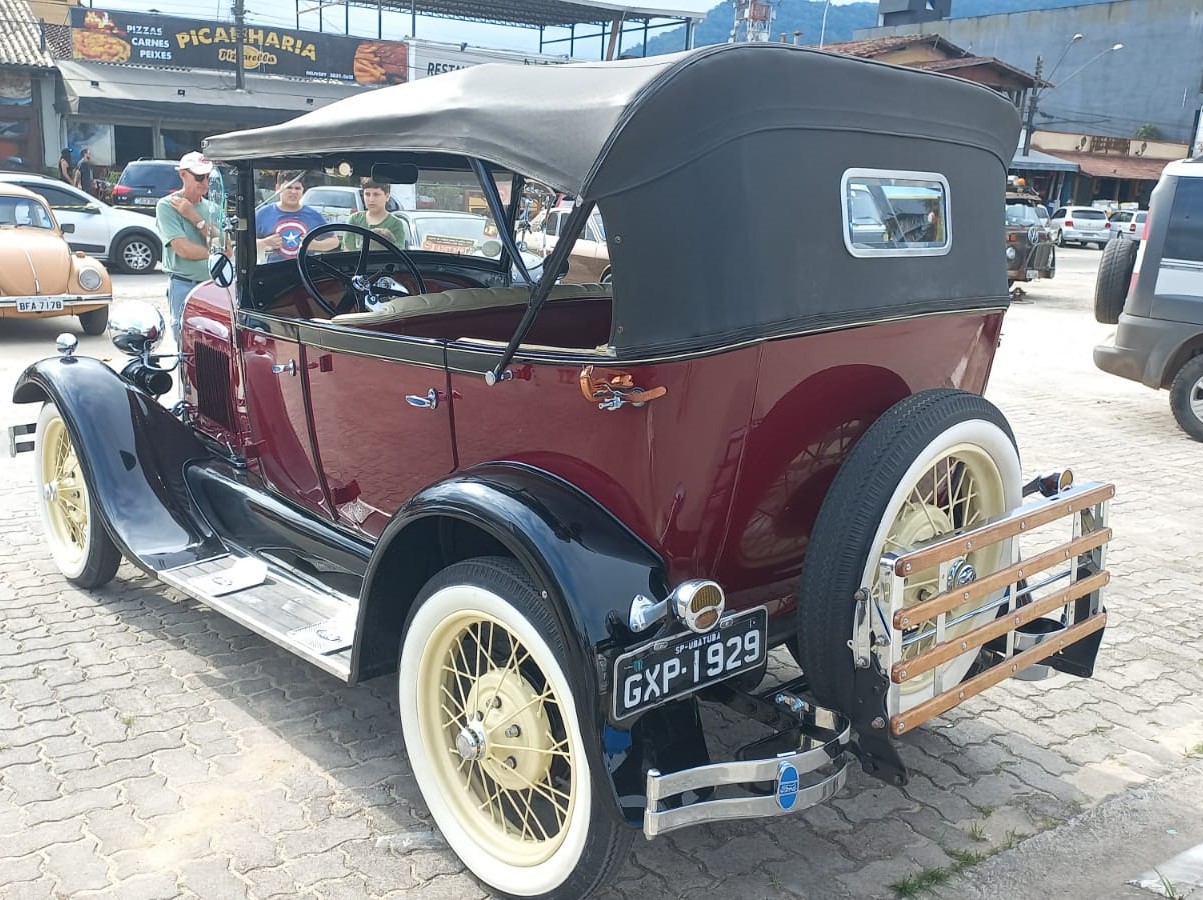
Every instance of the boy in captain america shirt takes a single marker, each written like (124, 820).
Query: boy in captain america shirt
(280, 227)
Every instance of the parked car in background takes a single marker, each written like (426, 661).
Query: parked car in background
(143, 181)
(1128, 224)
(1153, 289)
(1030, 251)
(337, 202)
(118, 237)
(40, 276)
(1080, 225)
(589, 261)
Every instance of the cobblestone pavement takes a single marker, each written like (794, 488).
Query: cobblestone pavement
(150, 748)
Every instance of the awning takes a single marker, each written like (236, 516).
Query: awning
(1131, 167)
(1035, 161)
(194, 96)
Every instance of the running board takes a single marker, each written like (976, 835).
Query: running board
(316, 624)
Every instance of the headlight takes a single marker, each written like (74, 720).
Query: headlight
(90, 279)
(1011, 254)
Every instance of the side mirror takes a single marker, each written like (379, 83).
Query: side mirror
(67, 227)
(221, 267)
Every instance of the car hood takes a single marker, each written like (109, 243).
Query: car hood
(33, 261)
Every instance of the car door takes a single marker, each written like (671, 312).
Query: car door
(381, 419)
(76, 208)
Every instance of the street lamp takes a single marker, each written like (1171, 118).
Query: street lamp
(823, 27)
(1037, 93)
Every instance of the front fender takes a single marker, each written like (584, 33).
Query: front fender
(588, 565)
(132, 452)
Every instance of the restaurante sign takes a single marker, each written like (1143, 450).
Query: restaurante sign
(153, 40)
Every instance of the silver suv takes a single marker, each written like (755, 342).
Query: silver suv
(1153, 289)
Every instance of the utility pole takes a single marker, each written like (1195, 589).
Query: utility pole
(239, 19)
(1031, 118)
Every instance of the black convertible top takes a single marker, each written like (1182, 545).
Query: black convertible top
(720, 176)
(589, 129)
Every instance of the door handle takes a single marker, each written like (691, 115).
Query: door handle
(290, 367)
(430, 401)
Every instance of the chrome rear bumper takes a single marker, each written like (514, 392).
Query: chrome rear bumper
(772, 785)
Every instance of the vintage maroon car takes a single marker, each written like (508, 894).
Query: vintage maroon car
(563, 516)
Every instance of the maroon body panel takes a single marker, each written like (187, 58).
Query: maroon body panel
(724, 475)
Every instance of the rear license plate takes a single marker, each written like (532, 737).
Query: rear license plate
(144, 201)
(1033, 274)
(39, 304)
(667, 669)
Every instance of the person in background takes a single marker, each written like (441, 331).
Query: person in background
(66, 171)
(84, 174)
(281, 227)
(188, 224)
(376, 217)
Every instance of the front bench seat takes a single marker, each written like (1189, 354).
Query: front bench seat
(461, 299)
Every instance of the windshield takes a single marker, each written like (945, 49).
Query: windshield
(23, 211)
(1021, 212)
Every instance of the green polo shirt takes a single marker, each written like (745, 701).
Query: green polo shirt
(171, 225)
(390, 223)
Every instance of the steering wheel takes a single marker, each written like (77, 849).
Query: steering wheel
(360, 287)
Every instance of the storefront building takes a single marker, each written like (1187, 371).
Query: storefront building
(27, 86)
(141, 85)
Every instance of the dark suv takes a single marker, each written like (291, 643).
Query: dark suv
(144, 181)
(1154, 292)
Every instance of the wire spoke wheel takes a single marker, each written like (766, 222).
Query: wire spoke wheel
(962, 489)
(489, 713)
(79, 543)
(936, 463)
(507, 757)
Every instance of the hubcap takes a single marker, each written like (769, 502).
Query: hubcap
(1196, 399)
(137, 256)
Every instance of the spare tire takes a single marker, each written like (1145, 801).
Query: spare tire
(1111, 286)
(934, 463)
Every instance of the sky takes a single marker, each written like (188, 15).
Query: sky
(364, 21)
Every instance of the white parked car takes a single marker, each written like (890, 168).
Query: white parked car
(1128, 224)
(1080, 225)
(338, 202)
(120, 238)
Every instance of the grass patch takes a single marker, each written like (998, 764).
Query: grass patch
(983, 809)
(1100, 729)
(1012, 838)
(1168, 886)
(977, 831)
(1195, 752)
(921, 883)
(963, 859)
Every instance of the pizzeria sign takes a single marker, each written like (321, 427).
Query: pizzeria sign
(154, 40)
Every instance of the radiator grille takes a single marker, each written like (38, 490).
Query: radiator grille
(213, 385)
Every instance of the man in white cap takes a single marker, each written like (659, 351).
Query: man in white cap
(189, 225)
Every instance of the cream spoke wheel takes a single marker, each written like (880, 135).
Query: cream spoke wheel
(935, 464)
(81, 546)
(490, 720)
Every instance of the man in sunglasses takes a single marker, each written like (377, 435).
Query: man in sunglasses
(189, 225)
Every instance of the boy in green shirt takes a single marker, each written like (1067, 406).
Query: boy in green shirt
(376, 218)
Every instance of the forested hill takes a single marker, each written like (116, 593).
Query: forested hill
(807, 15)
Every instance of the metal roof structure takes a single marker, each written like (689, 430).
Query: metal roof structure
(605, 19)
(529, 13)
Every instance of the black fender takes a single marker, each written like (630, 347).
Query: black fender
(132, 452)
(588, 565)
